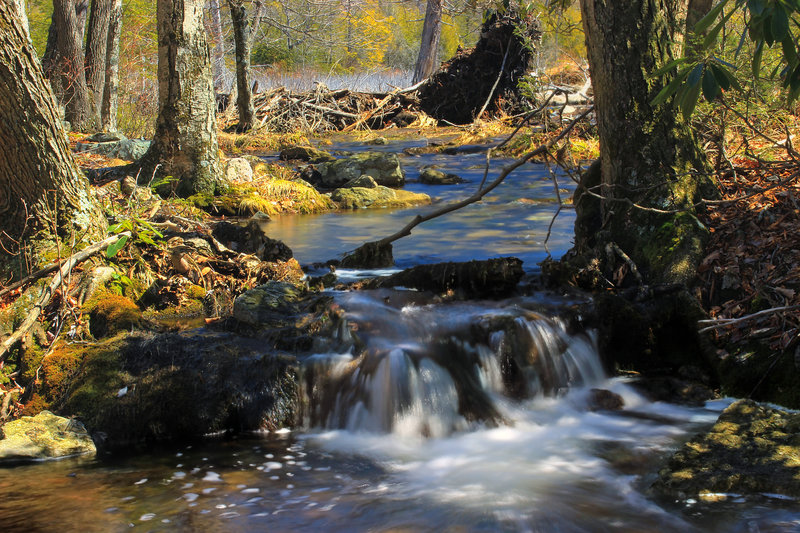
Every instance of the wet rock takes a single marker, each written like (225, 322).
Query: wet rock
(305, 153)
(238, 170)
(251, 239)
(44, 436)
(369, 255)
(471, 279)
(378, 141)
(432, 176)
(378, 196)
(604, 400)
(180, 386)
(751, 449)
(273, 302)
(384, 169)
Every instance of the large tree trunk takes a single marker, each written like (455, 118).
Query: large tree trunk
(185, 142)
(648, 154)
(241, 37)
(42, 191)
(108, 110)
(429, 43)
(96, 49)
(70, 64)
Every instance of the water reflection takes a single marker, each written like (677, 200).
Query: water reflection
(512, 220)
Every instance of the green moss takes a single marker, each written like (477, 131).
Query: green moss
(195, 292)
(673, 249)
(111, 313)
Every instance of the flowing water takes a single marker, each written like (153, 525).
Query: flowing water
(419, 416)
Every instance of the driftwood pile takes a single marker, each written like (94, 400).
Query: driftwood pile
(481, 79)
(282, 111)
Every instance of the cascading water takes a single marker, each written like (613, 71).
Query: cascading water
(432, 370)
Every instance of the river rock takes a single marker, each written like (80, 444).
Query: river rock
(751, 449)
(238, 170)
(378, 196)
(305, 153)
(143, 388)
(432, 176)
(44, 436)
(384, 169)
(266, 303)
(472, 279)
(129, 149)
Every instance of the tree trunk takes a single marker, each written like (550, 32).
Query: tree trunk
(42, 191)
(219, 45)
(108, 110)
(96, 49)
(70, 64)
(241, 37)
(429, 44)
(185, 142)
(648, 155)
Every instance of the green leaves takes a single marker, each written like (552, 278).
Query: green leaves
(712, 78)
(112, 250)
(141, 229)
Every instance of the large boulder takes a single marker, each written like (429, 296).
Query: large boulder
(238, 170)
(378, 196)
(384, 168)
(274, 302)
(144, 388)
(752, 449)
(44, 436)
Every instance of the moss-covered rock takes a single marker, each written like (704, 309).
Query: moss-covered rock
(431, 176)
(111, 313)
(305, 153)
(380, 196)
(44, 436)
(274, 302)
(751, 449)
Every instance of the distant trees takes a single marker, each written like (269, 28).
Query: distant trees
(79, 77)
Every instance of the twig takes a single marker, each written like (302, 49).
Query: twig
(47, 294)
(722, 322)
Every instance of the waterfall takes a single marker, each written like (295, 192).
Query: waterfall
(423, 369)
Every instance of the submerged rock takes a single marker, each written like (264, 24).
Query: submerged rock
(751, 449)
(384, 169)
(44, 436)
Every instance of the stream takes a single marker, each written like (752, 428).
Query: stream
(427, 429)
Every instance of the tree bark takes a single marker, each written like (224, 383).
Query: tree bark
(241, 37)
(43, 194)
(108, 110)
(70, 64)
(219, 45)
(185, 143)
(429, 43)
(96, 50)
(648, 154)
